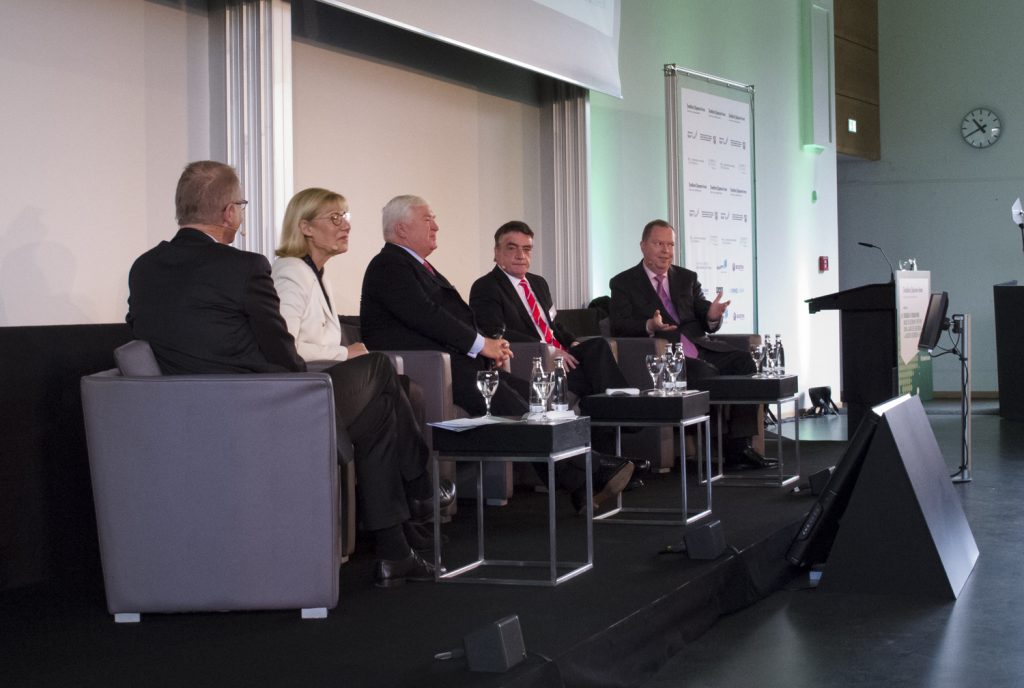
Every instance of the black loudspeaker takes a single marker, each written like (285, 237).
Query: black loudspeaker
(706, 541)
(821, 401)
(904, 530)
(496, 647)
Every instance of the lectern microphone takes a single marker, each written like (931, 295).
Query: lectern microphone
(892, 273)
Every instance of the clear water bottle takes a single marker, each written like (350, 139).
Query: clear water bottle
(560, 387)
(780, 357)
(538, 404)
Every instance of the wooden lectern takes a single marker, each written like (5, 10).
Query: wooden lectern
(867, 344)
(1009, 308)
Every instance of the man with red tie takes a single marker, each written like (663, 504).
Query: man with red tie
(659, 299)
(511, 297)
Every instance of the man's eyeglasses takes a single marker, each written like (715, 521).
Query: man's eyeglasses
(336, 218)
(242, 204)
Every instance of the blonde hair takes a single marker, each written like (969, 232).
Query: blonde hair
(304, 206)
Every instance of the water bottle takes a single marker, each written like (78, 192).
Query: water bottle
(560, 389)
(537, 382)
(780, 356)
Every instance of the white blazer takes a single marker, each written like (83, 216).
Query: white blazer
(310, 319)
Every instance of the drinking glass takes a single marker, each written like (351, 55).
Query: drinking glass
(487, 383)
(675, 361)
(655, 366)
(543, 383)
(756, 354)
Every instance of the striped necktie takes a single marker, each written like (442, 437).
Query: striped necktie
(538, 319)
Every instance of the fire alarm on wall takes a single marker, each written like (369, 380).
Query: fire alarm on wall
(822, 263)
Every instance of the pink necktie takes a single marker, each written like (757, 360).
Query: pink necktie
(689, 348)
(541, 323)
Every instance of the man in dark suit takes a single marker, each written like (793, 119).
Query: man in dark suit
(658, 299)
(407, 304)
(205, 307)
(510, 296)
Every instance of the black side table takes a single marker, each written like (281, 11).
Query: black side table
(745, 389)
(517, 441)
(690, 408)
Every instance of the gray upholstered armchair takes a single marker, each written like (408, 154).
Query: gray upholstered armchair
(213, 492)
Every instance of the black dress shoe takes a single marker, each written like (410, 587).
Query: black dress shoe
(612, 478)
(388, 573)
(749, 459)
(422, 510)
(607, 461)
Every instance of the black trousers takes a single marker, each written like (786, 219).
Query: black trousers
(511, 399)
(597, 370)
(390, 453)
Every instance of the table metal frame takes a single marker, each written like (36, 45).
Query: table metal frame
(575, 568)
(685, 517)
(781, 478)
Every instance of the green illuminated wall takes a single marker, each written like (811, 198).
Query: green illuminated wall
(751, 41)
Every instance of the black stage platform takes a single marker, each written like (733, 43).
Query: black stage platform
(613, 626)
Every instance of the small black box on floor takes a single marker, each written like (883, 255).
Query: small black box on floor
(518, 438)
(649, 408)
(746, 388)
(496, 647)
(706, 541)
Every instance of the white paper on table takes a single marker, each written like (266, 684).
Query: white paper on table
(627, 391)
(461, 424)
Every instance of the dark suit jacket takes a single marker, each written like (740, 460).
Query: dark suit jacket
(205, 307)
(495, 302)
(404, 306)
(634, 301)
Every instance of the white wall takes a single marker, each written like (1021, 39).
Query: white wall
(372, 131)
(103, 103)
(931, 196)
(750, 42)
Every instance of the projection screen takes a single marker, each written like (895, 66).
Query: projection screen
(572, 40)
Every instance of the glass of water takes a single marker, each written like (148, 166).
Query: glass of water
(487, 383)
(655, 367)
(675, 365)
(543, 382)
(756, 354)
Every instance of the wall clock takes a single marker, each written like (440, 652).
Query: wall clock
(981, 128)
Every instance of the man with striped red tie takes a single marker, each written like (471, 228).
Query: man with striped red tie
(510, 296)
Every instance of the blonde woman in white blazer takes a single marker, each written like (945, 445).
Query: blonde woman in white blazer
(393, 488)
(316, 228)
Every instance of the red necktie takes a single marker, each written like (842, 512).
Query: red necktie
(429, 267)
(689, 348)
(542, 324)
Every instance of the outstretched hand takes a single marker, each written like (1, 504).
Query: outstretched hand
(717, 308)
(656, 324)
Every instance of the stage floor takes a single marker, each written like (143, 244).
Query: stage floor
(617, 624)
(799, 637)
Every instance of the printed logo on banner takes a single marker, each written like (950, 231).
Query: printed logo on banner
(737, 267)
(724, 265)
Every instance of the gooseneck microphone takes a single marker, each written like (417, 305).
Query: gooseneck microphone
(892, 273)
